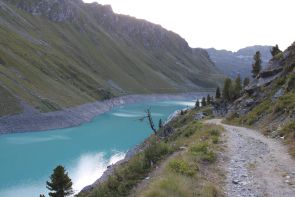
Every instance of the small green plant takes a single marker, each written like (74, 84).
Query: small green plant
(215, 139)
(155, 151)
(182, 167)
(202, 152)
(200, 147)
(214, 132)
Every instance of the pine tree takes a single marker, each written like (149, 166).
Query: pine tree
(217, 94)
(256, 66)
(208, 99)
(227, 89)
(275, 50)
(203, 102)
(60, 184)
(160, 123)
(238, 87)
(197, 105)
(42, 195)
(246, 82)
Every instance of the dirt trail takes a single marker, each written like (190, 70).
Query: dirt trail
(257, 166)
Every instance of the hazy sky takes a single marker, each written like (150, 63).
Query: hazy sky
(223, 24)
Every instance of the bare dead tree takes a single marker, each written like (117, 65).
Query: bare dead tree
(148, 116)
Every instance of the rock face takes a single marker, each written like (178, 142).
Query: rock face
(62, 53)
(232, 63)
(276, 80)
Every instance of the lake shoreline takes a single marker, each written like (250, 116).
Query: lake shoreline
(32, 120)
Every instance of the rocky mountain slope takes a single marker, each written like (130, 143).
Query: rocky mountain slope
(60, 53)
(269, 101)
(232, 63)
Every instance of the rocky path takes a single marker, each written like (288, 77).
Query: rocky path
(257, 166)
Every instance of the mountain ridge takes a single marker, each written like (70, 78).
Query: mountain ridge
(63, 53)
(239, 62)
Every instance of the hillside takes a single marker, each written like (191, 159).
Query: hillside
(62, 53)
(268, 102)
(232, 63)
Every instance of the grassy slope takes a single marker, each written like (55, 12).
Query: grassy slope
(189, 171)
(51, 65)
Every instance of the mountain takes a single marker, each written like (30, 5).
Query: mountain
(232, 63)
(61, 53)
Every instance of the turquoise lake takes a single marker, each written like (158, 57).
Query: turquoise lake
(27, 159)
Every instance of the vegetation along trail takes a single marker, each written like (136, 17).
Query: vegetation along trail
(257, 165)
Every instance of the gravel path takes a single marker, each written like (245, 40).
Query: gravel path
(257, 166)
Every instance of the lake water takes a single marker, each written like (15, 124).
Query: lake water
(27, 159)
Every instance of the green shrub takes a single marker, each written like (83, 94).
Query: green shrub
(279, 56)
(155, 151)
(215, 139)
(214, 132)
(209, 157)
(200, 147)
(202, 152)
(182, 167)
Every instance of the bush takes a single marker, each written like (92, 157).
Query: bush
(201, 147)
(191, 129)
(155, 151)
(202, 152)
(182, 167)
(215, 139)
(279, 56)
(214, 132)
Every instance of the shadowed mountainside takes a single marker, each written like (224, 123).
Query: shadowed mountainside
(62, 53)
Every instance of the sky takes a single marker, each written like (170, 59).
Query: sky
(222, 24)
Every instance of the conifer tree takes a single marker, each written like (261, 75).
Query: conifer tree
(197, 105)
(238, 87)
(203, 102)
(246, 82)
(60, 185)
(275, 50)
(227, 89)
(208, 99)
(217, 93)
(256, 66)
